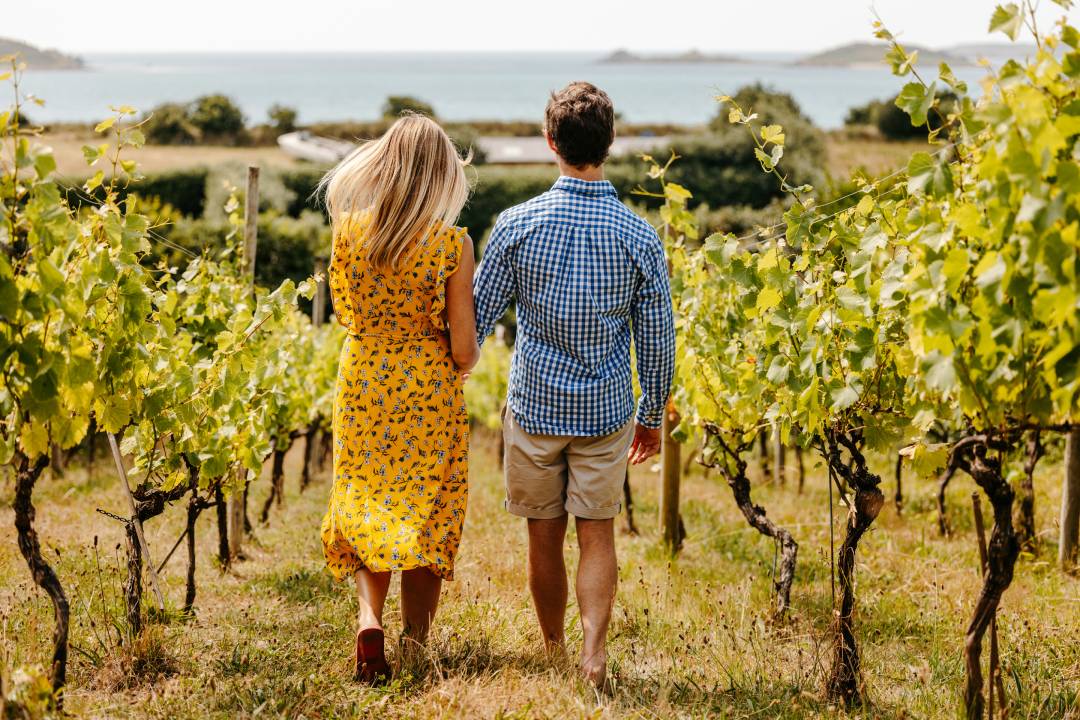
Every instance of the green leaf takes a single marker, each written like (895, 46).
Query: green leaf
(844, 398)
(927, 459)
(34, 439)
(947, 76)
(104, 125)
(114, 413)
(928, 175)
(779, 370)
(95, 182)
(916, 101)
(764, 159)
(50, 276)
(1070, 36)
(91, 154)
(44, 164)
(767, 299)
(772, 134)
(939, 372)
(955, 268)
(1006, 19)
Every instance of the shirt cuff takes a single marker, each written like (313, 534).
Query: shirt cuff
(651, 418)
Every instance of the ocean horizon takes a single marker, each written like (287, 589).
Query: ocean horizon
(460, 86)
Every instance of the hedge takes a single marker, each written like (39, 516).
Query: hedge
(184, 189)
(495, 189)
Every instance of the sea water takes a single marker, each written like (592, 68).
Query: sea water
(460, 86)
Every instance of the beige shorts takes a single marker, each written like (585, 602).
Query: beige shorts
(548, 476)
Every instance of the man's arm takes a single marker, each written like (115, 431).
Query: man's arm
(493, 286)
(654, 342)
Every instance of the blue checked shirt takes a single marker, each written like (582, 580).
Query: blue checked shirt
(587, 273)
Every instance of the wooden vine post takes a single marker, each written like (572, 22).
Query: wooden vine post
(318, 314)
(670, 468)
(318, 303)
(779, 458)
(1070, 502)
(251, 239)
(136, 522)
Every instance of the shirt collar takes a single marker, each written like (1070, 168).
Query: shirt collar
(592, 188)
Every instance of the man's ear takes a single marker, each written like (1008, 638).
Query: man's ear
(550, 142)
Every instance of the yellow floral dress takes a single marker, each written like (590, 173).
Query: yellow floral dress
(401, 431)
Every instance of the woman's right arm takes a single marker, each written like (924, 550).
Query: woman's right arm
(460, 312)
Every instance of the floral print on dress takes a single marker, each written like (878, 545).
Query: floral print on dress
(401, 430)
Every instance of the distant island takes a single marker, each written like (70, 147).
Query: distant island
(40, 59)
(866, 54)
(690, 56)
(994, 52)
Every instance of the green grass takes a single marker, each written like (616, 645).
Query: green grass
(691, 637)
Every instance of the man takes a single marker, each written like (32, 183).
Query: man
(587, 275)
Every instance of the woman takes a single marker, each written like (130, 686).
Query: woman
(400, 277)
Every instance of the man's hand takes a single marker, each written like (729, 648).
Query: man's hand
(646, 443)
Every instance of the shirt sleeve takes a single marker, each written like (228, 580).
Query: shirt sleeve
(493, 285)
(654, 336)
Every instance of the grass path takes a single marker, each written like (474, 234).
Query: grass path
(690, 638)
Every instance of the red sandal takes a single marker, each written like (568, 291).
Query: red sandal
(371, 665)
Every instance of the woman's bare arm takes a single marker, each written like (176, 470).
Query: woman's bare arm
(460, 313)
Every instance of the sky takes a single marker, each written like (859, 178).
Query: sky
(492, 25)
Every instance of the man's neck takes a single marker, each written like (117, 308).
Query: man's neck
(589, 173)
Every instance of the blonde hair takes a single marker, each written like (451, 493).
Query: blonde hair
(403, 184)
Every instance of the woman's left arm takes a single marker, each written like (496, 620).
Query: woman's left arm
(460, 312)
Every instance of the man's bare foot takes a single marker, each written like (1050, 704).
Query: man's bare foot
(555, 647)
(594, 668)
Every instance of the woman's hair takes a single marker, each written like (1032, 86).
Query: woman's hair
(403, 184)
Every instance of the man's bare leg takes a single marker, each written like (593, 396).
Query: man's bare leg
(547, 579)
(597, 578)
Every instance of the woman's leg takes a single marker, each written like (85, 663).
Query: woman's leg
(371, 589)
(420, 590)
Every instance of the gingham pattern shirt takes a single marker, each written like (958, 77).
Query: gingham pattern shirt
(587, 274)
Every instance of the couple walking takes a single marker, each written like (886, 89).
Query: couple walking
(587, 275)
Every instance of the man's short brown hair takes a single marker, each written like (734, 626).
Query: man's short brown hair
(580, 121)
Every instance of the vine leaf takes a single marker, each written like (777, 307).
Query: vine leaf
(916, 100)
(1006, 19)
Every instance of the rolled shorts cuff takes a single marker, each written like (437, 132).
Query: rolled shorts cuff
(579, 510)
(533, 513)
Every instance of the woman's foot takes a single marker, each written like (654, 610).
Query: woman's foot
(371, 665)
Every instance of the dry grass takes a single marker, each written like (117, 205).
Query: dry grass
(845, 153)
(690, 638)
(67, 147)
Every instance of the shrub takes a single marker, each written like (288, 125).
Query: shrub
(184, 190)
(895, 124)
(395, 105)
(301, 183)
(720, 164)
(287, 246)
(210, 118)
(350, 129)
(497, 188)
(169, 124)
(282, 117)
(20, 118)
(274, 195)
(861, 114)
(217, 117)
